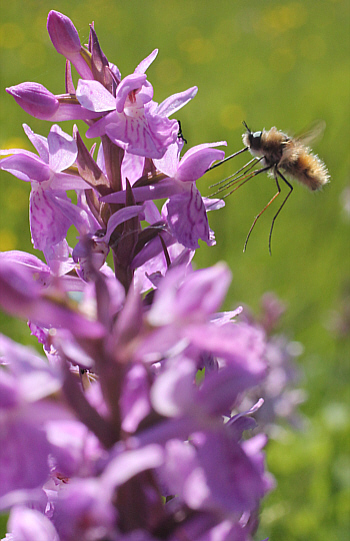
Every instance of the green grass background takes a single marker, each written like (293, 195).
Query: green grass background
(282, 63)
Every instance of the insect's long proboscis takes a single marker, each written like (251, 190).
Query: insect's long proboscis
(226, 159)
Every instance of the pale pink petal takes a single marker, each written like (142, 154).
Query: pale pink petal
(62, 149)
(144, 64)
(94, 96)
(175, 102)
(39, 142)
(128, 84)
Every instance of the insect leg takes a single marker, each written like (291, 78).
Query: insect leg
(240, 180)
(236, 176)
(260, 213)
(277, 172)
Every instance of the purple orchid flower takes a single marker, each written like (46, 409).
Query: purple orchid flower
(141, 397)
(50, 177)
(131, 119)
(190, 412)
(281, 397)
(186, 210)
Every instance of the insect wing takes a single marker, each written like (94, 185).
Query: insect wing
(311, 134)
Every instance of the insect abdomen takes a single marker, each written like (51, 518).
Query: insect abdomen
(307, 169)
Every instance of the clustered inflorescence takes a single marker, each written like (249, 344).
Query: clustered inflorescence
(130, 428)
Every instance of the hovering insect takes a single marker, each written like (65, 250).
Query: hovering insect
(277, 152)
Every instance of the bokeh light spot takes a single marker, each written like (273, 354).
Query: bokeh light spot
(200, 50)
(284, 17)
(16, 142)
(169, 71)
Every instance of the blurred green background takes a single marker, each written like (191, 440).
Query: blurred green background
(282, 63)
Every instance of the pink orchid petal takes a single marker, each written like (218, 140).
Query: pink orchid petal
(77, 216)
(196, 161)
(64, 181)
(175, 102)
(26, 166)
(26, 524)
(144, 136)
(63, 33)
(170, 161)
(65, 39)
(130, 463)
(197, 297)
(20, 469)
(62, 149)
(187, 218)
(94, 96)
(213, 204)
(121, 216)
(72, 111)
(128, 84)
(39, 270)
(132, 167)
(48, 224)
(161, 190)
(143, 95)
(39, 142)
(144, 64)
(173, 391)
(100, 126)
(203, 146)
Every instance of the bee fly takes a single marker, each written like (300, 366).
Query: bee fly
(276, 152)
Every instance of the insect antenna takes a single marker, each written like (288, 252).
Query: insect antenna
(246, 127)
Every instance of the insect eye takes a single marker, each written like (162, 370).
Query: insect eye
(255, 139)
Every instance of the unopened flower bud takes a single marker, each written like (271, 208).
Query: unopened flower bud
(65, 39)
(35, 99)
(63, 33)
